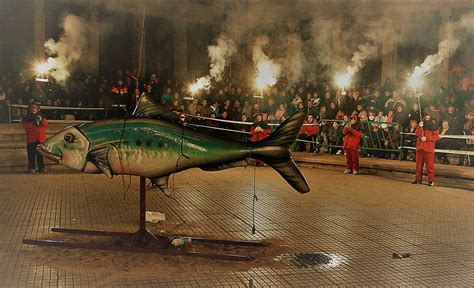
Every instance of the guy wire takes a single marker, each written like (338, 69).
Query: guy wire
(121, 159)
(180, 156)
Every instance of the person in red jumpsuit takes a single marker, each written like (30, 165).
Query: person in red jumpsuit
(427, 134)
(35, 125)
(352, 133)
(308, 132)
(259, 129)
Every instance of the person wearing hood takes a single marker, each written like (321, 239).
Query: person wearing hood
(427, 134)
(35, 125)
(331, 111)
(352, 132)
(259, 129)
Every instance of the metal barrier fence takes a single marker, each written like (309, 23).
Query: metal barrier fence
(377, 136)
(16, 113)
(382, 137)
(469, 140)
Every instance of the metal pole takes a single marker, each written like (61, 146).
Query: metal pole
(419, 112)
(9, 112)
(140, 52)
(230, 69)
(142, 203)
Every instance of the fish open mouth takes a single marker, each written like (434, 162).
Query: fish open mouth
(46, 153)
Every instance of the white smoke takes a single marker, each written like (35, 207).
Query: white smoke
(68, 50)
(363, 53)
(294, 58)
(220, 55)
(453, 34)
(372, 32)
(320, 48)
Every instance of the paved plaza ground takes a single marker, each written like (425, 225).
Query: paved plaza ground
(358, 222)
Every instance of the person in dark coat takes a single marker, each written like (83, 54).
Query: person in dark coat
(35, 124)
(353, 132)
(427, 134)
(409, 140)
(446, 143)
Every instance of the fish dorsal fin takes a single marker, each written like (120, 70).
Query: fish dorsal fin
(162, 184)
(148, 108)
(99, 158)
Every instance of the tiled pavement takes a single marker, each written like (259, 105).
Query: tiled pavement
(363, 219)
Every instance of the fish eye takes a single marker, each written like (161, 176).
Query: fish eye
(69, 137)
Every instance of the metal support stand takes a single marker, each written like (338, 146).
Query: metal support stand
(143, 237)
(143, 241)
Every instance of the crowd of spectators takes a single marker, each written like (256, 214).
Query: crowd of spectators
(453, 108)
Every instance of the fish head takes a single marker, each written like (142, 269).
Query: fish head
(69, 147)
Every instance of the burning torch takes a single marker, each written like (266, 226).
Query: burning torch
(201, 83)
(415, 82)
(42, 69)
(343, 80)
(267, 73)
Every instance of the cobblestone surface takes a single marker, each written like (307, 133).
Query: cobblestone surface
(362, 219)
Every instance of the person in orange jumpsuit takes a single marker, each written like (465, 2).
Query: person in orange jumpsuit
(352, 133)
(426, 136)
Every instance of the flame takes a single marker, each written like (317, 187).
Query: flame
(42, 68)
(343, 80)
(201, 83)
(267, 73)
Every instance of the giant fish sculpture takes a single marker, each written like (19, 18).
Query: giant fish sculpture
(153, 144)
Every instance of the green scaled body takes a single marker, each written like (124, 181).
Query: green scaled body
(152, 144)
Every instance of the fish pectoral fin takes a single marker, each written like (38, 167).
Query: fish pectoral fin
(99, 158)
(218, 167)
(104, 167)
(162, 184)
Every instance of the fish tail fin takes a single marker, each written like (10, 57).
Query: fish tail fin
(275, 150)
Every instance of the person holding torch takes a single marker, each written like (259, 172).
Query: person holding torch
(427, 134)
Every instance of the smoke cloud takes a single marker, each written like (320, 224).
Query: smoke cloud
(294, 58)
(220, 54)
(319, 43)
(453, 35)
(302, 43)
(364, 52)
(68, 50)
